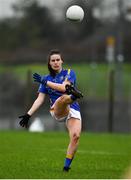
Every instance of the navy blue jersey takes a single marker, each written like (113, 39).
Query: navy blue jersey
(59, 78)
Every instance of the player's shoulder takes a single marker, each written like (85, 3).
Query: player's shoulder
(69, 70)
(47, 76)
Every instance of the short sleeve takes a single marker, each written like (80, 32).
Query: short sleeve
(42, 89)
(71, 76)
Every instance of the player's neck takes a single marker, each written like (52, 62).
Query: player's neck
(58, 71)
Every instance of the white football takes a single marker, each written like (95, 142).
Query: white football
(75, 13)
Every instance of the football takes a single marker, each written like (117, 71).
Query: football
(75, 13)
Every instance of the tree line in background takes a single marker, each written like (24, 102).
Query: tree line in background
(35, 28)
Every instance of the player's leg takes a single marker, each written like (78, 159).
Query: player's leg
(74, 128)
(61, 106)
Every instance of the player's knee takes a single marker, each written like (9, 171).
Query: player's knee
(64, 98)
(75, 137)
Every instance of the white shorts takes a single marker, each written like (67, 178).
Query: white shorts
(72, 114)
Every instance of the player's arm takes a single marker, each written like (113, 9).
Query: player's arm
(37, 103)
(69, 79)
(57, 86)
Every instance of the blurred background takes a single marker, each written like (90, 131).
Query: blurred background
(98, 49)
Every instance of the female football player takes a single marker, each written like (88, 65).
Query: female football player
(60, 86)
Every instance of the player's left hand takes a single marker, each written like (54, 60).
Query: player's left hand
(38, 78)
(24, 120)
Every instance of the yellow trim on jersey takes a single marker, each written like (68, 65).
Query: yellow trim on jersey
(69, 70)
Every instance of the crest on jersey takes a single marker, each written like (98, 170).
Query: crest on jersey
(61, 78)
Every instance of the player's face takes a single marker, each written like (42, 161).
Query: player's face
(56, 62)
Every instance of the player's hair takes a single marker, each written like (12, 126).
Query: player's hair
(53, 51)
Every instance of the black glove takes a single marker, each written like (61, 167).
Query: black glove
(38, 78)
(25, 120)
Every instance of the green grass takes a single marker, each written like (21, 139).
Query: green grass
(41, 155)
(92, 80)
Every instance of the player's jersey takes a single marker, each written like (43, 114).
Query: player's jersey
(59, 78)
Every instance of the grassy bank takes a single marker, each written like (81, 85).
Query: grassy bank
(93, 79)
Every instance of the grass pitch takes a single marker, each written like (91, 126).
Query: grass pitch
(41, 155)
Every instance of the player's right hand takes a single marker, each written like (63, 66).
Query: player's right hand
(24, 120)
(38, 78)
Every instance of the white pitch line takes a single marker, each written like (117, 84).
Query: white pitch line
(101, 152)
(96, 152)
